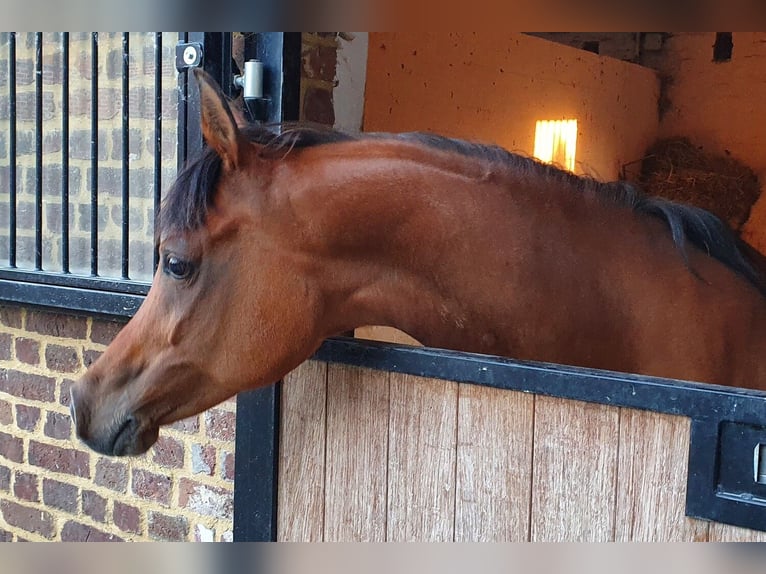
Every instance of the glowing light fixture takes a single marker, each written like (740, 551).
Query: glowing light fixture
(556, 142)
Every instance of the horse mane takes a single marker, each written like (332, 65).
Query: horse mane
(187, 201)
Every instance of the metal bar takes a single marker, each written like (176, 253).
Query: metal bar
(183, 111)
(94, 157)
(125, 158)
(38, 150)
(84, 282)
(191, 130)
(258, 412)
(60, 297)
(65, 152)
(256, 452)
(669, 396)
(12, 174)
(157, 136)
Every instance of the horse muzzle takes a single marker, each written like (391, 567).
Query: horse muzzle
(120, 436)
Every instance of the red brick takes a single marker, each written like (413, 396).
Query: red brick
(228, 465)
(29, 519)
(27, 417)
(11, 317)
(6, 342)
(5, 478)
(204, 499)
(27, 386)
(77, 532)
(151, 486)
(11, 447)
(188, 425)
(57, 459)
(64, 396)
(6, 413)
(169, 528)
(26, 486)
(94, 505)
(221, 424)
(168, 452)
(90, 356)
(104, 332)
(126, 517)
(60, 495)
(318, 106)
(203, 459)
(57, 325)
(320, 62)
(62, 359)
(28, 351)
(112, 474)
(58, 425)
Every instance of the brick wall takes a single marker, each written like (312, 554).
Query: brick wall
(54, 488)
(319, 58)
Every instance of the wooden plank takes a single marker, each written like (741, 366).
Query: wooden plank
(494, 465)
(574, 471)
(300, 511)
(421, 469)
(727, 533)
(357, 454)
(651, 480)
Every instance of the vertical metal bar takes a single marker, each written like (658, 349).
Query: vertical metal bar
(157, 135)
(12, 148)
(38, 150)
(65, 152)
(125, 158)
(183, 110)
(191, 130)
(94, 156)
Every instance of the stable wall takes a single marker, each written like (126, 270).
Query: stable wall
(494, 87)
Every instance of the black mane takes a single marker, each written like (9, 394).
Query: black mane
(187, 201)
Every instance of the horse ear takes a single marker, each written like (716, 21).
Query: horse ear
(218, 125)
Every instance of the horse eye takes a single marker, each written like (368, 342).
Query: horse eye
(177, 268)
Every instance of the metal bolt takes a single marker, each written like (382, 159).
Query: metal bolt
(190, 55)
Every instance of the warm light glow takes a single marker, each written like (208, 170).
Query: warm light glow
(556, 141)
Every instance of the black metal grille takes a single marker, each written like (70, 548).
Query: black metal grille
(99, 114)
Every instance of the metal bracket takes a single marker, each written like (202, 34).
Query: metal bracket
(188, 55)
(725, 481)
(251, 83)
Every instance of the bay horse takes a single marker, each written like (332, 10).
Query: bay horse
(270, 243)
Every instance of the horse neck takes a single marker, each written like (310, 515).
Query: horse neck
(402, 236)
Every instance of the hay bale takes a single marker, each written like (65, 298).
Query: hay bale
(680, 171)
